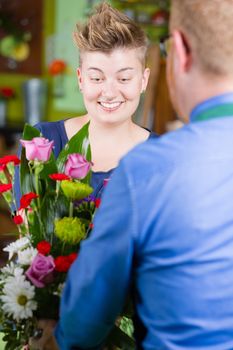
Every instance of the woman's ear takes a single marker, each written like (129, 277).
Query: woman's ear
(182, 49)
(145, 79)
(79, 76)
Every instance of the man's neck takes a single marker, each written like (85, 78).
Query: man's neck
(204, 88)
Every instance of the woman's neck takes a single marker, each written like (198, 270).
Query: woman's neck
(109, 142)
(111, 132)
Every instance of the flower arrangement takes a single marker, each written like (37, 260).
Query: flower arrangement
(55, 213)
(6, 93)
(51, 226)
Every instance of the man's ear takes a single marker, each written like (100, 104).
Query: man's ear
(183, 50)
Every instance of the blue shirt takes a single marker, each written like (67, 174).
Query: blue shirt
(164, 232)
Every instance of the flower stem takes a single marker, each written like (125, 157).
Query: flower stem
(71, 209)
(37, 187)
(63, 248)
(42, 228)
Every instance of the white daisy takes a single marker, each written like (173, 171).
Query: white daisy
(8, 269)
(11, 270)
(26, 256)
(14, 247)
(18, 298)
(18, 272)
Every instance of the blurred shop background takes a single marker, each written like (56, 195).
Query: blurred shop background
(38, 62)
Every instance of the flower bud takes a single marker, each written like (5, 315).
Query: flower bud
(38, 148)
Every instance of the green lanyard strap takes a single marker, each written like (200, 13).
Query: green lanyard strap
(223, 110)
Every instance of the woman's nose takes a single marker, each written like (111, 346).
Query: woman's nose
(109, 89)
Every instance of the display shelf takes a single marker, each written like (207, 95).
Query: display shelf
(153, 15)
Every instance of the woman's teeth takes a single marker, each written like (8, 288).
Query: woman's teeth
(111, 105)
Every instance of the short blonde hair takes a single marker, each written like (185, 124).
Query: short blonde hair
(108, 29)
(208, 25)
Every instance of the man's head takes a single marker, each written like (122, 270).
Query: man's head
(201, 48)
(109, 29)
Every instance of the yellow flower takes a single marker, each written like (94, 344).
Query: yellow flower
(70, 230)
(76, 190)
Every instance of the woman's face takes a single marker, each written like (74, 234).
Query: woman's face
(111, 84)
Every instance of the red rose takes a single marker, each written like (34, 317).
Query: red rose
(18, 220)
(8, 159)
(62, 263)
(26, 199)
(91, 225)
(43, 247)
(59, 177)
(5, 187)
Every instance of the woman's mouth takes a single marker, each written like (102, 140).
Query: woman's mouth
(110, 106)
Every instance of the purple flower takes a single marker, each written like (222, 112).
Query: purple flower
(38, 148)
(88, 199)
(77, 166)
(41, 270)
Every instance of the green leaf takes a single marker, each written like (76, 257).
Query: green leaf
(36, 230)
(29, 132)
(53, 207)
(79, 143)
(26, 183)
(120, 339)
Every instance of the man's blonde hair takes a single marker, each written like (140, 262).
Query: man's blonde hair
(108, 29)
(208, 25)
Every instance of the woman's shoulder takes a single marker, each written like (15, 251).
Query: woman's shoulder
(73, 125)
(149, 134)
(52, 130)
(48, 128)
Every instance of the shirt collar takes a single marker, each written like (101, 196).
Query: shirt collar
(215, 107)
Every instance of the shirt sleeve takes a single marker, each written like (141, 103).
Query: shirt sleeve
(99, 280)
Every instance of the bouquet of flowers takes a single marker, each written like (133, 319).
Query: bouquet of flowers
(55, 213)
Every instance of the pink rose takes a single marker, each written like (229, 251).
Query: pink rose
(41, 270)
(38, 148)
(77, 166)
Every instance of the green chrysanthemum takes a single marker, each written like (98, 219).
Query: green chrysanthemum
(76, 190)
(70, 230)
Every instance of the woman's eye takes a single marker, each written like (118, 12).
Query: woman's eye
(124, 80)
(96, 80)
